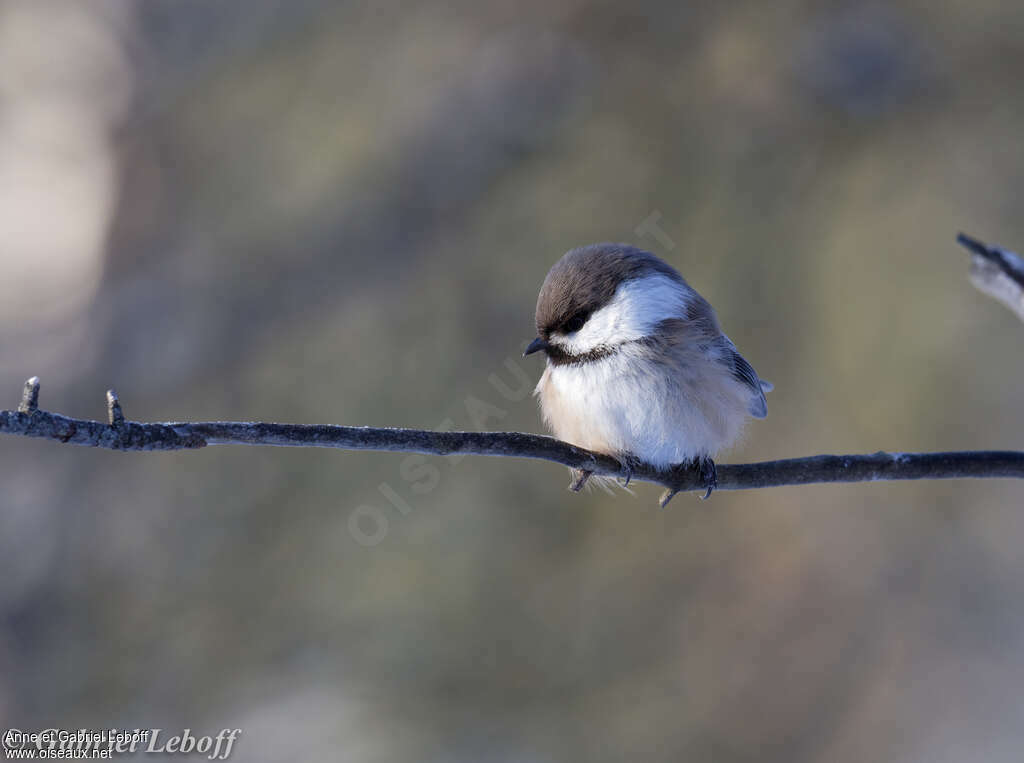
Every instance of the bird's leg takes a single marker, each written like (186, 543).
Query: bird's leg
(682, 473)
(579, 479)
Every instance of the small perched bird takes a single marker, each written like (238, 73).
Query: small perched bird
(637, 366)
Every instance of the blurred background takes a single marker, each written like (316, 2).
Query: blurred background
(341, 212)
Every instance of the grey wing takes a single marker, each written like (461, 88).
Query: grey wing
(743, 372)
(701, 317)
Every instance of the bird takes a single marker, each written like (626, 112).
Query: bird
(637, 365)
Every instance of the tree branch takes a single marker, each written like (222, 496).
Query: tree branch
(119, 433)
(997, 272)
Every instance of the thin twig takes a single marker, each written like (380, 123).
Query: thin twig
(122, 434)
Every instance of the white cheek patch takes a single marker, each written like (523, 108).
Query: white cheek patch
(637, 307)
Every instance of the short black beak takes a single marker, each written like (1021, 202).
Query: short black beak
(535, 346)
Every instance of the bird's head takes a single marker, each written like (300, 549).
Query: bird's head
(597, 298)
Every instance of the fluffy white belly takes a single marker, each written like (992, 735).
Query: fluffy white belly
(625, 404)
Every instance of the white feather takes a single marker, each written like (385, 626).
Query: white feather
(637, 307)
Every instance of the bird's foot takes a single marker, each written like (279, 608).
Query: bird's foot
(705, 469)
(629, 464)
(579, 479)
(708, 475)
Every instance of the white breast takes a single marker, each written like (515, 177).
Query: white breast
(628, 403)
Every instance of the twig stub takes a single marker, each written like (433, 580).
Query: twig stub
(115, 416)
(30, 396)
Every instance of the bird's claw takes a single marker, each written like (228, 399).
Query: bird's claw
(709, 474)
(705, 468)
(628, 464)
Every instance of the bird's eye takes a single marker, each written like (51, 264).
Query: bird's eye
(575, 323)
